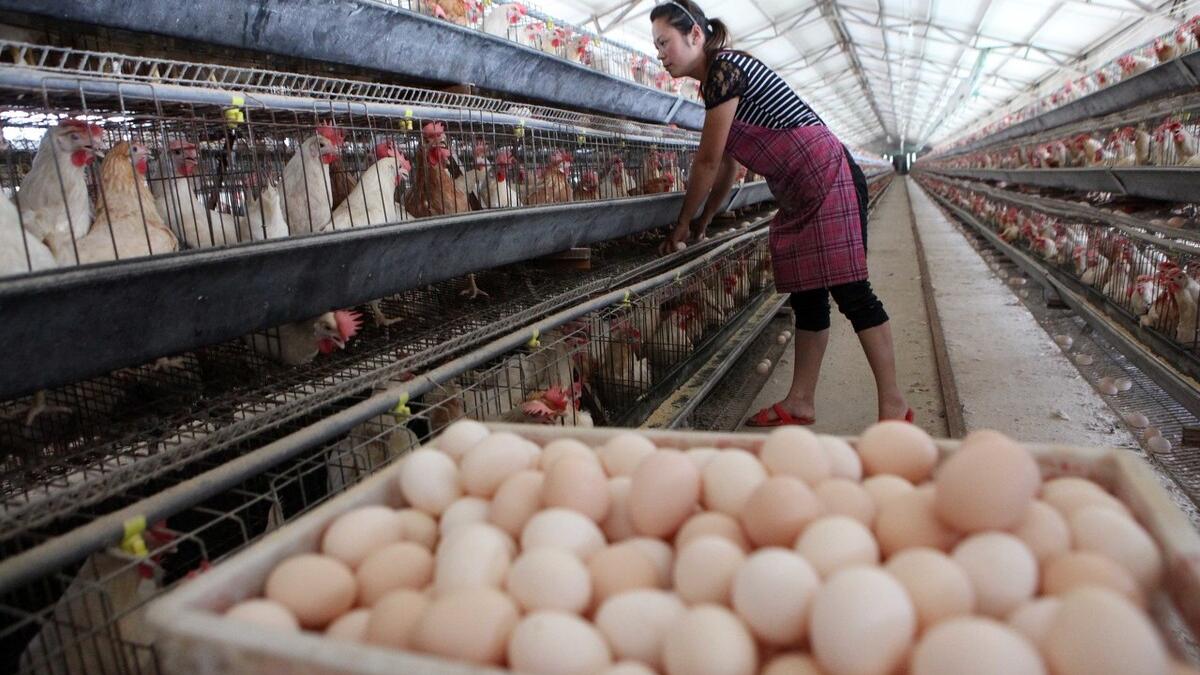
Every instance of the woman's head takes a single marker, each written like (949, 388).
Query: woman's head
(685, 38)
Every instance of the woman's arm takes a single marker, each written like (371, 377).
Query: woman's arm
(716, 199)
(705, 166)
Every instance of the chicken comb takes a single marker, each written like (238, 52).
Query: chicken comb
(181, 145)
(93, 129)
(481, 147)
(433, 130)
(405, 165)
(505, 156)
(331, 133)
(385, 149)
(348, 323)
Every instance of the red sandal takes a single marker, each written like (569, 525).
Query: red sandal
(782, 418)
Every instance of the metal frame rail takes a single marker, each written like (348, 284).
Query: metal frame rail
(1176, 184)
(366, 35)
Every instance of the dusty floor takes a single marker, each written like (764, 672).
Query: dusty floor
(1009, 373)
(846, 402)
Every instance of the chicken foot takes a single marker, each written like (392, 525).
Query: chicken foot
(382, 320)
(473, 291)
(37, 408)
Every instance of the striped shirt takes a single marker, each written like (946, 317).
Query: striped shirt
(766, 100)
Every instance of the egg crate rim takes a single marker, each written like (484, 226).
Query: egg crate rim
(187, 623)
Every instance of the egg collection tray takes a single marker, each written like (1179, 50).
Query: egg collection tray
(194, 639)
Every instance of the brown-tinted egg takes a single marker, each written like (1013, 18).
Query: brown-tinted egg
(665, 490)
(988, 484)
(778, 510)
(714, 523)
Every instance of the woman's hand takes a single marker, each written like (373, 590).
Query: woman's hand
(678, 235)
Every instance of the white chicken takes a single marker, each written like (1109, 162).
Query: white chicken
(1134, 64)
(20, 250)
(503, 20)
(307, 190)
(1097, 269)
(53, 197)
(186, 214)
(299, 342)
(373, 199)
(264, 216)
(127, 223)
(1186, 292)
(497, 191)
(1186, 153)
(1141, 294)
(617, 183)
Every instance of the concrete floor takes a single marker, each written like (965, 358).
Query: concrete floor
(1009, 373)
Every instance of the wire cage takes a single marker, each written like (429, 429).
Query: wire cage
(187, 169)
(135, 423)
(1161, 133)
(529, 25)
(87, 617)
(1150, 278)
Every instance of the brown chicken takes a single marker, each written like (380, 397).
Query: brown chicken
(127, 223)
(554, 182)
(341, 180)
(589, 186)
(656, 175)
(461, 12)
(434, 191)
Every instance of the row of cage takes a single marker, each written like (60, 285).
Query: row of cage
(529, 25)
(1162, 134)
(1173, 44)
(86, 185)
(602, 367)
(1154, 280)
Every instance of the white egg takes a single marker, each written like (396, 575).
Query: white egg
(636, 622)
(679, 246)
(563, 528)
(764, 367)
(465, 511)
(1158, 444)
(461, 436)
(550, 578)
(1064, 341)
(772, 591)
(557, 643)
(1136, 420)
(1002, 569)
(862, 622)
(833, 543)
(1124, 384)
(1084, 359)
(476, 555)
(429, 481)
(782, 338)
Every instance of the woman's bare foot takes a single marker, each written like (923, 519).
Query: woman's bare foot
(893, 408)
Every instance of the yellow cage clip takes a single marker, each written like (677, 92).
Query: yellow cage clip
(625, 302)
(234, 115)
(534, 342)
(408, 119)
(402, 410)
(132, 541)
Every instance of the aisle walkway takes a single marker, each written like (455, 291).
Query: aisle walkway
(1010, 374)
(846, 391)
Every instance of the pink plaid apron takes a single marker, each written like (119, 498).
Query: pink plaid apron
(816, 238)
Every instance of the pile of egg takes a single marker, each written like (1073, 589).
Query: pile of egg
(804, 556)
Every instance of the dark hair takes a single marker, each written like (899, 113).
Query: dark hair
(683, 14)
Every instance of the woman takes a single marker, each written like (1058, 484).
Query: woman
(818, 239)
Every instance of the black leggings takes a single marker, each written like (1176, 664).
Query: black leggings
(855, 300)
